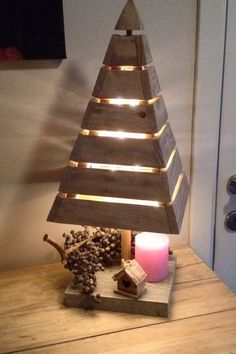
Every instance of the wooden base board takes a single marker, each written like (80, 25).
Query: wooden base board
(154, 302)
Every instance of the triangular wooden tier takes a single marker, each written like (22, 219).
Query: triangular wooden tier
(129, 18)
(164, 219)
(136, 84)
(156, 186)
(153, 152)
(128, 50)
(148, 118)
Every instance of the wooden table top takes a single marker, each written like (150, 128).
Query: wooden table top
(33, 318)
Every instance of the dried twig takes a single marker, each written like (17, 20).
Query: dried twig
(57, 246)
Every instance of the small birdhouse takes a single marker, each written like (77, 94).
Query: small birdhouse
(130, 279)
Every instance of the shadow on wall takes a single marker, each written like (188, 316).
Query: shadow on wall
(50, 155)
(43, 170)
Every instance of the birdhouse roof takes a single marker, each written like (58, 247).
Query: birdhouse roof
(133, 270)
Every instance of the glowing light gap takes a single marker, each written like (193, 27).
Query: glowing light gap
(115, 134)
(103, 199)
(109, 199)
(119, 101)
(124, 135)
(125, 68)
(126, 168)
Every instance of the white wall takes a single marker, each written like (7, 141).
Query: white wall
(42, 104)
(208, 91)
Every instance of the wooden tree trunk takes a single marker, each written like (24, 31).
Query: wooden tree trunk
(126, 244)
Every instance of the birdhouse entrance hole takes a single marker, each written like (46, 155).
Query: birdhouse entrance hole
(127, 283)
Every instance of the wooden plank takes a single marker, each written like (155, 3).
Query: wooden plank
(187, 257)
(124, 216)
(39, 319)
(154, 302)
(129, 18)
(56, 278)
(136, 84)
(123, 184)
(180, 202)
(139, 119)
(141, 152)
(120, 215)
(128, 51)
(212, 333)
(42, 320)
(166, 143)
(185, 273)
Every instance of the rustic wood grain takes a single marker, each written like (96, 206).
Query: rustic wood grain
(180, 202)
(84, 212)
(126, 244)
(124, 184)
(164, 144)
(128, 51)
(32, 314)
(154, 302)
(187, 257)
(139, 85)
(129, 18)
(209, 334)
(125, 216)
(142, 152)
(147, 119)
(184, 273)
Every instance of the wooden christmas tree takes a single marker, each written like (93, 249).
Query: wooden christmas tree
(124, 170)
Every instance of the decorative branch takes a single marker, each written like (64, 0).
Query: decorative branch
(78, 245)
(57, 246)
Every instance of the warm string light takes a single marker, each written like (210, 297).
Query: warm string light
(177, 187)
(127, 168)
(123, 101)
(115, 200)
(109, 199)
(171, 158)
(111, 167)
(119, 101)
(115, 134)
(123, 135)
(125, 68)
(158, 134)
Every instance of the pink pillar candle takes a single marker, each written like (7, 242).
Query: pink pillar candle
(152, 253)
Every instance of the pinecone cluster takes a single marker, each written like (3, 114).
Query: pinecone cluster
(90, 250)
